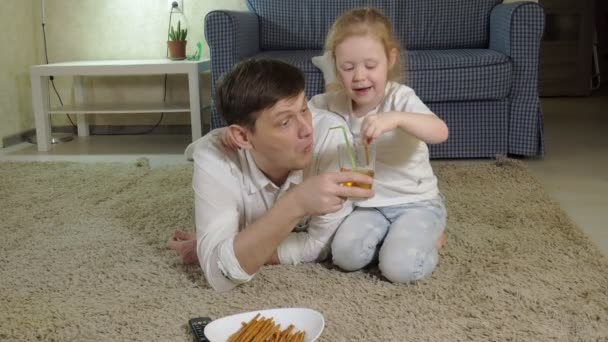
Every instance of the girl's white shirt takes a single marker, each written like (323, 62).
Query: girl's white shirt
(403, 172)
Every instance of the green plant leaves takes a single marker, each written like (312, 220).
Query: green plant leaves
(178, 34)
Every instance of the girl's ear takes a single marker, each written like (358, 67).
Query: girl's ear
(392, 58)
(240, 136)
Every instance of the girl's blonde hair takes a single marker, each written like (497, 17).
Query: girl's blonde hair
(363, 21)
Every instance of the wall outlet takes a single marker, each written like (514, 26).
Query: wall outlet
(180, 4)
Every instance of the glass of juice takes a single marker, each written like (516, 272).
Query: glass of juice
(359, 158)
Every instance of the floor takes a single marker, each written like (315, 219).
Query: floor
(159, 149)
(574, 169)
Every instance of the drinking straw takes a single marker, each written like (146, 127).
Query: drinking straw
(349, 148)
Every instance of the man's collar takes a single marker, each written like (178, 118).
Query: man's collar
(256, 180)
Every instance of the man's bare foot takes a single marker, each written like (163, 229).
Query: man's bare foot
(440, 242)
(184, 244)
(180, 235)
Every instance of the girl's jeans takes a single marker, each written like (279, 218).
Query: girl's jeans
(402, 237)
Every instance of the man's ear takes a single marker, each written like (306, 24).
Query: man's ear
(392, 58)
(240, 136)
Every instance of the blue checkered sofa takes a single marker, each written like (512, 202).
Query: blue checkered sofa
(473, 62)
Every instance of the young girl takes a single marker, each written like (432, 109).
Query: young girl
(402, 225)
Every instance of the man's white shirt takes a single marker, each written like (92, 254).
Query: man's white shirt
(231, 192)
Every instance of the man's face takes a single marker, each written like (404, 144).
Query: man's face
(283, 139)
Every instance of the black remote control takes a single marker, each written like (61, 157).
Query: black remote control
(198, 325)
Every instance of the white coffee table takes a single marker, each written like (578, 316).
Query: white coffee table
(39, 75)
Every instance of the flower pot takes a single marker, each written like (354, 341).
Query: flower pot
(177, 49)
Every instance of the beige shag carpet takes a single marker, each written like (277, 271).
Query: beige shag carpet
(83, 258)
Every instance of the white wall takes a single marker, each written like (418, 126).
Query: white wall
(117, 29)
(89, 30)
(18, 41)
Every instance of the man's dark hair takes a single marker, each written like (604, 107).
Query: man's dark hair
(254, 85)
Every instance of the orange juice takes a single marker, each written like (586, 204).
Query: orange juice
(359, 185)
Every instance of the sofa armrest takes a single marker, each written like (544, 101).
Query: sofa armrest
(231, 36)
(516, 30)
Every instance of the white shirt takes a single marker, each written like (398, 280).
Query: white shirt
(231, 192)
(403, 172)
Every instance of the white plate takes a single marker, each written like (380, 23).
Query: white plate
(308, 320)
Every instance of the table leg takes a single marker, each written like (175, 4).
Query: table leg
(195, 104)
(40, 102)
(83, 126)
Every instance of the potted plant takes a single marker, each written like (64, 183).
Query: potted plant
(177, 42)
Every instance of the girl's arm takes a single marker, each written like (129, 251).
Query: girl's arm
(426, 127)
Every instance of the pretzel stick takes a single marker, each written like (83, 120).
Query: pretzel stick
(265, 330)
(251, 332)
(245, 330)
(286, 333)
(296, 336)
(266, 327)
(274, 334)
(281, 337)
(258, 332)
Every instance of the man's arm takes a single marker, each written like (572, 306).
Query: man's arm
(255, 245)
(230, 257)
(227, 254)
(217, 221)
(313, 244)
(316, 196)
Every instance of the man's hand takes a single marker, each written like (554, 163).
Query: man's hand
(375, 125)
(325, 194)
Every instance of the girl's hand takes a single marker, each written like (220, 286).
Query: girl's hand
(227, 140)
(375, 125)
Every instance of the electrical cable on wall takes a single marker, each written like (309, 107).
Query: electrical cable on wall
(174, 7)
(46, 59)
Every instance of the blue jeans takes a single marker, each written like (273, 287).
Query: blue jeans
(402, 237)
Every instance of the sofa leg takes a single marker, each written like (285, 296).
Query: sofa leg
(501, 159)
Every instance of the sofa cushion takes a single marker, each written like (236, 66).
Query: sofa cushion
(300, 58)
(459, 75)
(419, 24)
(435, 75)
(455, 58)
(303, 60)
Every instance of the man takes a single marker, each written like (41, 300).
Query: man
(247, 202)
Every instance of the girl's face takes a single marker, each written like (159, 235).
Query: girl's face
(363, 66)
